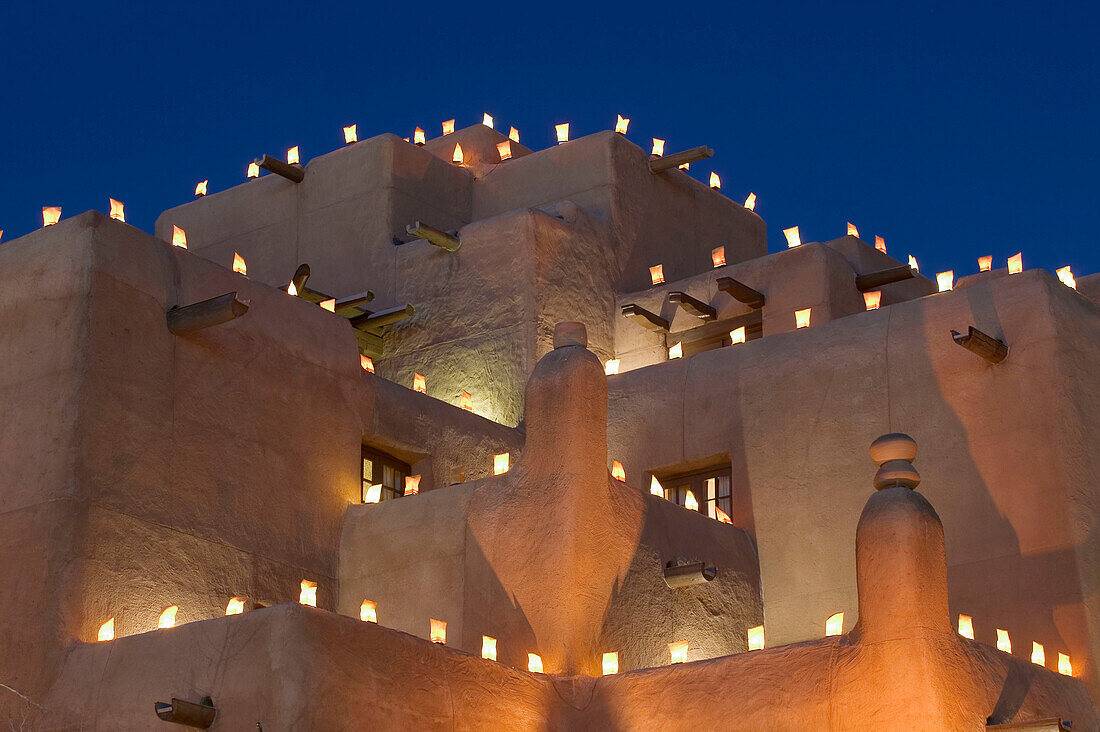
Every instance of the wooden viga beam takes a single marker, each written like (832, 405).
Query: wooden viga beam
(984, 345)
(875, 280)
(741, 292)
(432, 235)
(199, 315)
(375, 321)
(698, 308)
(675, 160)
(292, 173)
(644, 318)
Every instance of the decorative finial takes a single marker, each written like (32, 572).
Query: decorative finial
(570, 333)
(894, 454)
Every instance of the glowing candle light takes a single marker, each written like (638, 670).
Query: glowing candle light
(179, 237)
(1064, 666)
(676, 351)
(722, 516)
(487, 120)
(534, 663)
(834, 624)
(617, 471)
(621, 124)
(684, 166)
(985, 263)
(852, 230)
(466, 401)
(871, 300)
(1016, 263)
(168, 617)
(329, 304)
(200, 188)
(793, 239)
(1065, 274)
(235, 606)
(737, 335)
(239, 265)
(610, 663)
(756, 638)
(1004, 643)
(913, 263)
(750, 202)
(308, 594)
(658, 147)
(611, 367)
(489, 647)
(513, 135)
(437, 632)
(562, 131)
(368, 612)
(1038, 655)
(292, 155)
(718, 256)
(966, 626)
(366, 363)
(106, 631)
(678, 651)
(50, 215)
(505, 149)
(457, 158)
(253, 170)
(802, 318)
(448, 127)
(419, 384)
(945, 280)
(118, 210)
(657, 274)
(690, 503)
(351, 134)
(412, 485)
(500, 463)
(715, 181)
(418, 136)
(373, 494)
(655, 487)
(1, 233)
(880, 244)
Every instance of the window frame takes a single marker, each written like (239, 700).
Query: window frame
(676, 486)
(379, 462)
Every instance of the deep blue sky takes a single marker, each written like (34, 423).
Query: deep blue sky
(953, 129)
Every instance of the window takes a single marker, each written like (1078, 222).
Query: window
(378, 467)
(711, 488)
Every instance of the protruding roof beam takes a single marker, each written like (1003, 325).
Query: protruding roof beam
(301, 276)
(984, 345)
(207, 313)
(292, 173)
(741, 292)
(432, 235)
(875, 280)
(686, 575)
(374, 321)
(644, 318)
(667, 162)
(697, 308)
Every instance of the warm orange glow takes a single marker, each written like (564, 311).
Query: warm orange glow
(200, 187)
(366, 363)
(562, 131)
(1064, 666)
(617, 471)
(457, 158)
(419, 384)
(684, 166)
(715, 181)
(1004, 643)
(238, 264)
(374, 493)
(513, 135)
(118, 210)
(487, 120)
(308, 593)
(106, 631)
(678, 651)
(750, 202)
(489, 647)
(722, 516)
(657, 274)
(655, 487)
(985, 263)
(737, 335)
(852, 230)
(871, 300)
(418, 136)
(368, 612)
(834, 624)
(913, 263)
(168, 617)
(945, 280)
(448, 127)
(466, 401)
(350, 134)
(235, 606)
(329, 304)
(880, 244)
(966, 626)
(292, 155)
(504, 149)
(1038, 655)
(438, 631)
(610, 663)
(1016, 263)
(1065, 274)
(500, 463)
(802, 318)
(534, 663)
(611, 366)
(179, 237)
(756, 638)
(690, 503)
(253, 170)
(621, 124)
(50, 215)
(658, 147)
(412, 485)
(793, 239)
(676, 351)
(718, 256)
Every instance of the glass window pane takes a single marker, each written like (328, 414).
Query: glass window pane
(368, 470)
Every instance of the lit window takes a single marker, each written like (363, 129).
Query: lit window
(381, 469)
(711, 488)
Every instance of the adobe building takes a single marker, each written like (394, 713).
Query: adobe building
(536, 440)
